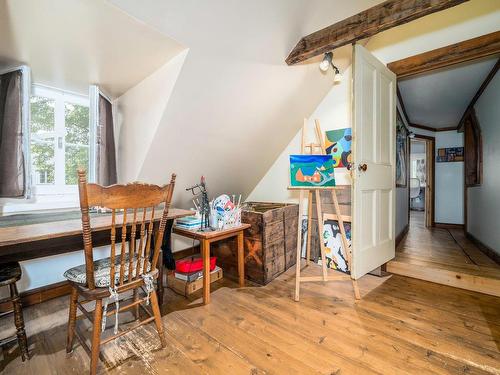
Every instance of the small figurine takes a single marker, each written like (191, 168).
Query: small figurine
(204, 207)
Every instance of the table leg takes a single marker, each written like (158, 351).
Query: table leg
(241, 259)
(205, 254)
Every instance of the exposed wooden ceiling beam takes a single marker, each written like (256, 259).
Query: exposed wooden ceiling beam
(479, 92)
(467, 50)
(381, 17)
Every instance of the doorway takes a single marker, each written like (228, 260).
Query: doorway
(422, 180)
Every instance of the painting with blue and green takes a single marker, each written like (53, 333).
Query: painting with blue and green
(312, 171)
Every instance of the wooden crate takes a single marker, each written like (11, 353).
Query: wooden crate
(186, 288)
(270, 242)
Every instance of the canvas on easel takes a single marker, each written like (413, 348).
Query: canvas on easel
(336, 254)
(318, 148)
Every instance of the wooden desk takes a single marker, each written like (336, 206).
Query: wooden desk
(206, 238)
(24, 242)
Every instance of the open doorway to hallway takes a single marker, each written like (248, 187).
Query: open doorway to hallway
(445, 113)
(421, 203)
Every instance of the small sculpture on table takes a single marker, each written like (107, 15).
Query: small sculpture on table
(204, 206)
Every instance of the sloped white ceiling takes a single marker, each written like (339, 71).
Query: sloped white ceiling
(439, 98)
(70, 44)
(236, 104)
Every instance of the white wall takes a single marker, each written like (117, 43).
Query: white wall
(449, 197)
(333, 113)
(484, 201)
(138, 113)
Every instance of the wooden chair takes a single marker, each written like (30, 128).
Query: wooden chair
(10, 273)
(134, 268)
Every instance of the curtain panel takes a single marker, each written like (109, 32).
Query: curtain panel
(12, 167)
(106, 154)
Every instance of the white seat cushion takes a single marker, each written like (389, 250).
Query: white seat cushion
(102, 269)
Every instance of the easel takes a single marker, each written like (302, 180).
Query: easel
(311, 148)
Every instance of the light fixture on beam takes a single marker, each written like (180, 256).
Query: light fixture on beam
(325, 65)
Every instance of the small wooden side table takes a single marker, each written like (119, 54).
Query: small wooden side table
(206, 238)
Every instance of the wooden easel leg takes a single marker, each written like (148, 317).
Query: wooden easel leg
(309, 222)
(299, 247)
(345, 244)
(320, 229)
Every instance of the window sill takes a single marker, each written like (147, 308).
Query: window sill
(39, 203)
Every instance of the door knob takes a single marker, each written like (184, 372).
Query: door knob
(362, 167)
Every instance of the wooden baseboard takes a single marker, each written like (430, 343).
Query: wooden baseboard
(39, 295)
(488, 251)
(403, 233)
(448, 226)
(47, 292)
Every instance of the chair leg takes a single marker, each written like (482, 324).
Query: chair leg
(158, 321)
(136, 307)
(71, 320)
(19, 322)
(161, 269)
(96, 337)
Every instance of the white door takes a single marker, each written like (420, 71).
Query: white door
(374, 161)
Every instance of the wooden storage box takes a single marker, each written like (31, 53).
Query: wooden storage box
(186, 288)
(270, 242)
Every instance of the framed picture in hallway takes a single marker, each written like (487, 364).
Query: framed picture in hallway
(450, 154)
(401, 152)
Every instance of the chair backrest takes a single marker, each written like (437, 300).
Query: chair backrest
(414, 187)
(137, 201)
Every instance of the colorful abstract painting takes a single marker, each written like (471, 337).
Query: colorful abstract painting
(311, 170)
(336, 256)
(338, 144)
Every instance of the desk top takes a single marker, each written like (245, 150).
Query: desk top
(213, 235)
(43, 231)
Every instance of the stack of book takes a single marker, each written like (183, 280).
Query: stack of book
(188, 222)
(179, 283)
(192, 276)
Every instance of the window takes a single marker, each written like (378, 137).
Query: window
(60, 139)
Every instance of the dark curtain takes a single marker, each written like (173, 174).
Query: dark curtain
(12, 169)
(106, 157)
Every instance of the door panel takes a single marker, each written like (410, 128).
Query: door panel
(374, 132)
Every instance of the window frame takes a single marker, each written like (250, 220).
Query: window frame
(60, 97)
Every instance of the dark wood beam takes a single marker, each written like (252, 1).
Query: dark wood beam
(423, 127)
(372, 21)
(479, 92)
(467, 50)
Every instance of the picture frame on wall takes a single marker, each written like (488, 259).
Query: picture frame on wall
(401, 152)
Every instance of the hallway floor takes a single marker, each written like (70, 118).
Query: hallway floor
(444, 256)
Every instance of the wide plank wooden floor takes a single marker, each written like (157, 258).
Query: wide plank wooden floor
(401, 326)
(444, 256)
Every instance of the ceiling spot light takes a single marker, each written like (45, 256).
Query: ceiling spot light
(326, 63)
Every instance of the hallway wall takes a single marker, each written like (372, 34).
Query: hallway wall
(449, 198)
(484, 201)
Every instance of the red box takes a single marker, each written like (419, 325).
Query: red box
(189, 265)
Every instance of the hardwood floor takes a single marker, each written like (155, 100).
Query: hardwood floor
(401, 326)
(444, 256)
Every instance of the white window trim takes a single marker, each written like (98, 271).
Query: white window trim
(59, 153)
(44, 197)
